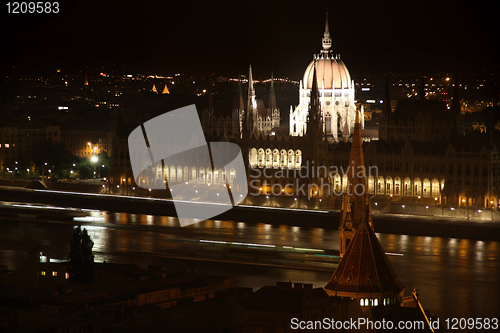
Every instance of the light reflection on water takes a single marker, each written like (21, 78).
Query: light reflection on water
(455, 277)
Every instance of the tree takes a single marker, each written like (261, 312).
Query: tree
(81, 259)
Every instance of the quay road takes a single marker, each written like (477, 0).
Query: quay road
(384, 223)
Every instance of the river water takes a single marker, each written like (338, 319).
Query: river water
(456, 278)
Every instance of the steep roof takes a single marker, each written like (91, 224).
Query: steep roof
(356, 207)
(365, 268)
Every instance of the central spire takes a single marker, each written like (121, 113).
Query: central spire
(327, 41)
(355, 199)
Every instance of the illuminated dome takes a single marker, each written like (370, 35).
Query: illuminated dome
(336, 88)
(329, 69)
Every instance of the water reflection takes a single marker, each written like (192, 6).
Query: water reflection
(456, 277)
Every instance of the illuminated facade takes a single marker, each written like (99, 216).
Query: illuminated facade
(336, 91)
(263, 119)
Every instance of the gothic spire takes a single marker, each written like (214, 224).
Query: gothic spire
(355, 200)
(251, 103)
(241, 105)
(327, 41)
(251, 90)
(272, 95)
(313, 119)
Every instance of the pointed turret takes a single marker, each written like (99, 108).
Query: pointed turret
(272, 95)
(314, 118)
(241, 104)
(251, 105)
(154, 89)
(355, 200)
(327, 41)
(86, 83)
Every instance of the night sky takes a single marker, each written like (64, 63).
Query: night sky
(198, 38)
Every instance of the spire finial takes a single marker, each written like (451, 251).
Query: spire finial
(251, 90)
(327, 41)
(271, 90)
(272, 95)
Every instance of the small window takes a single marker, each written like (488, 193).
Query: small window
(42, 273)
(54, 273)
(66, 276)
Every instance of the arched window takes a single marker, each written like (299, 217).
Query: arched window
(269, 158)
(283, 161)
(172, 174)
(388, 186)
(427, 188)
(209, 176)
(202, 175)
(193, 173)
(417, 187)
(232, 174)
(216, 176)
(261, 158)
(159, 173)
(179, 174)
(253, 157)
(275, 158)
(435, 188)
(375, 302)
(397, 186)
(362, 302)
(371, 183)
(381, 185)
(291, 159)
(186, 174)
(298, 159)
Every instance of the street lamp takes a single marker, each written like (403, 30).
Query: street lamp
(94, 159)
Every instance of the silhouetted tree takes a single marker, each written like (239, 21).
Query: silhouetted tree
(81, 259)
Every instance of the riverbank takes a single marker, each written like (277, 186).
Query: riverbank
(383, 222)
